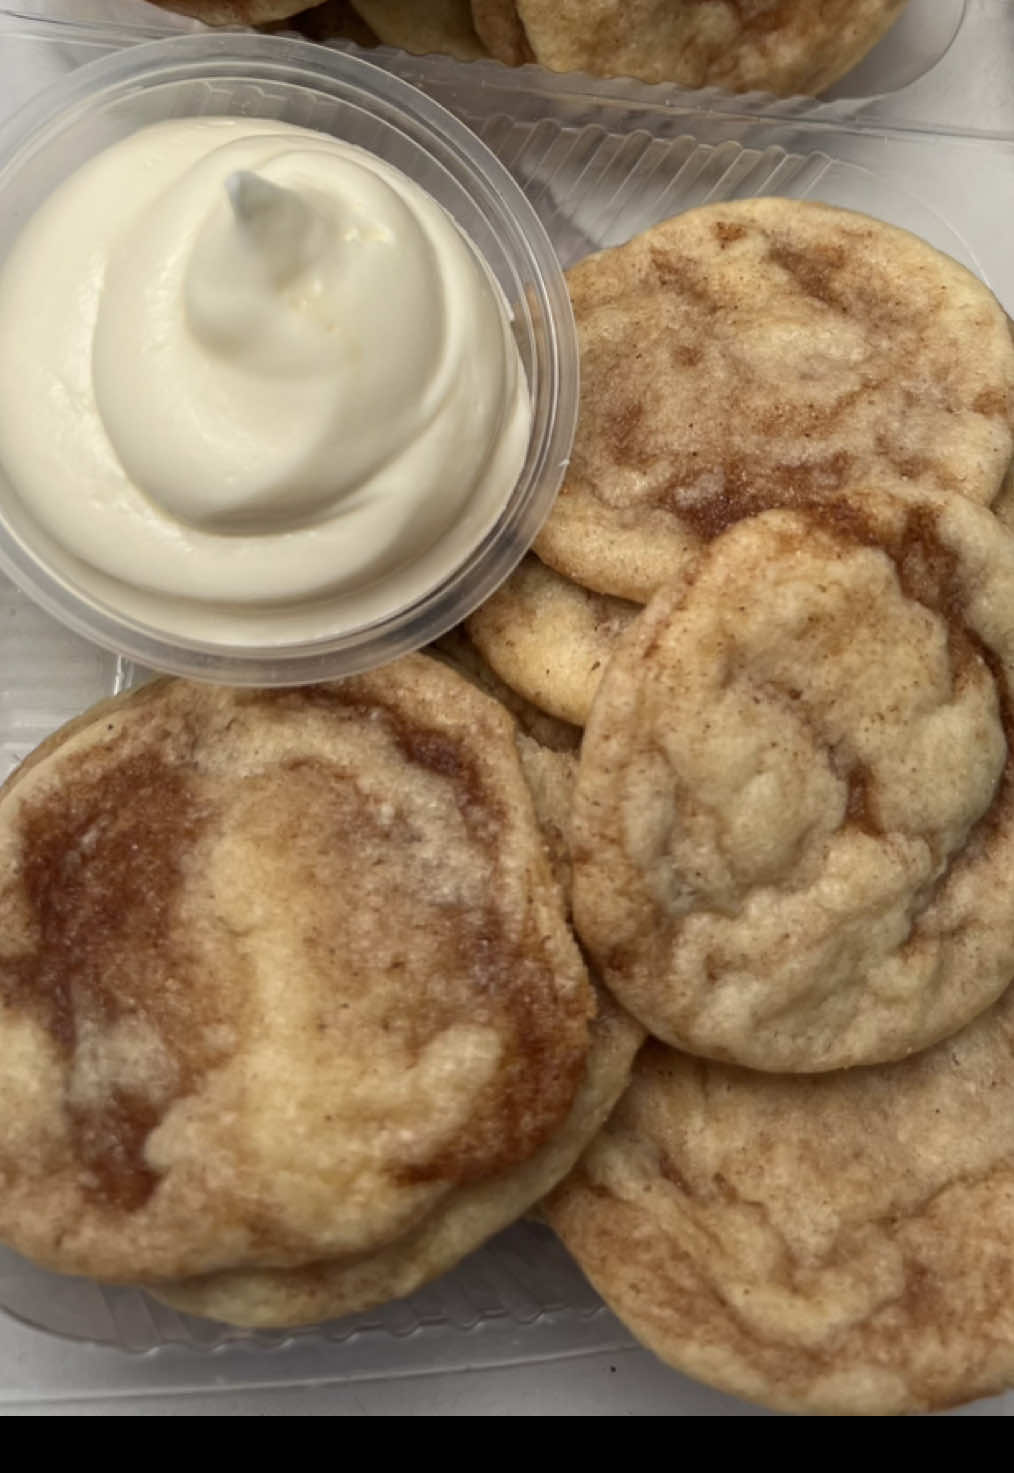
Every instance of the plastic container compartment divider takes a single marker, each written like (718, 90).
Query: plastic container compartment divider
(599, 161)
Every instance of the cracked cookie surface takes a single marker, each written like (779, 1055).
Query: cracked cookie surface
(838, 1244)
(281, 972)
(270, 1298)
(794, 819)
(748, 355)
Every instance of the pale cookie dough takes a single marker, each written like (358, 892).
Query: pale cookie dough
(793, 834)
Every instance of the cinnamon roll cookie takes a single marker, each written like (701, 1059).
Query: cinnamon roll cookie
(838, 1244)
(793, 832)
(285, 976)
(742, 356)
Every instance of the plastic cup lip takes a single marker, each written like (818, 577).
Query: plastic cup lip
(451, 146)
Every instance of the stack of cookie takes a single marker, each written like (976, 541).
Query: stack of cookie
(792, 835)
(304, 994)
(794, 46)
(291, 1015)
(741, 356)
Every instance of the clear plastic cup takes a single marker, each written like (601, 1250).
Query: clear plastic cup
(270, 77)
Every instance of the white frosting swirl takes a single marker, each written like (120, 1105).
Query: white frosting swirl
(245, 368)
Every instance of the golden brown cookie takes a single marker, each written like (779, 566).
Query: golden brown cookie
(549, 638)
(793, 830)
(838, 1244)
(788, 46)
(329, 1289)
(323, 1291)
(281, 973)
(424, 26)
(743, 355)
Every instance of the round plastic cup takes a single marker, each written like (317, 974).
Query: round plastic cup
(295, 82)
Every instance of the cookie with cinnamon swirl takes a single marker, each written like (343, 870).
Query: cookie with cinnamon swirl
(285, 976)
(840, 1244)
(794, 822)
(745, 355)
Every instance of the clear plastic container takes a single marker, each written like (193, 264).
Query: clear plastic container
(597, 162)
(266, 77)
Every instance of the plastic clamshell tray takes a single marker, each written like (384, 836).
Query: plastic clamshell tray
(922, 135)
